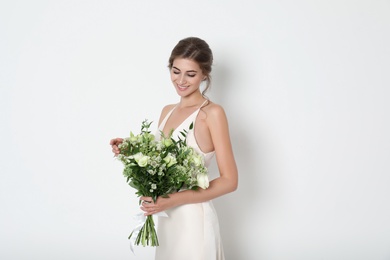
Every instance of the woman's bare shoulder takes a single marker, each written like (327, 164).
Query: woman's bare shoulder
(214, 110)
(167, 108)
(165, 111)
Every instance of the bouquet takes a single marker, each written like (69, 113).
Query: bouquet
(158, 168)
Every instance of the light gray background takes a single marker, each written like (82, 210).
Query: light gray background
(305, 85)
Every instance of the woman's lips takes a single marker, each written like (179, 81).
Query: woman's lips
(182, 87)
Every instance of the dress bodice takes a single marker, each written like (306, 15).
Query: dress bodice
(189, 224)
(191, 140)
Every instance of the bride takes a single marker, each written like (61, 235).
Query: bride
(191, 230)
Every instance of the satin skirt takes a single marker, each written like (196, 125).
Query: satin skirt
(190, 232)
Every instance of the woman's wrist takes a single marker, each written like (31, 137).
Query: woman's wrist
(179, 198)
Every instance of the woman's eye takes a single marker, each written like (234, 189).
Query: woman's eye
(191, 75)
(176, 72)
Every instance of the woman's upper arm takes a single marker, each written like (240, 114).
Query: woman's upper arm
(219, 131)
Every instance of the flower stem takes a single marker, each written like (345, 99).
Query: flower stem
(147, 234)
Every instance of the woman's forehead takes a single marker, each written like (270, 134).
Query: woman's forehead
(185, 64)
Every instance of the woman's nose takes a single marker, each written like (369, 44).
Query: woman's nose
(182, 79)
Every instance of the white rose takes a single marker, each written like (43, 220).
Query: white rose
(203, 181)
(167, 142)
(169, 160)
(141, 159)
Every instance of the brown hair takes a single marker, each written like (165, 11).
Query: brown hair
(197, 50)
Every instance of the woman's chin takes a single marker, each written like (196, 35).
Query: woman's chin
(182, 91)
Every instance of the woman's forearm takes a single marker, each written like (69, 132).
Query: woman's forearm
(217, 188)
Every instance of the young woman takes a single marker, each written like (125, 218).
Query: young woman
(191, 230)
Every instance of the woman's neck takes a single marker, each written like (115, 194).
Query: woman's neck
(191, 101)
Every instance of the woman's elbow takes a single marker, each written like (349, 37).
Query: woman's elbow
(233, 184)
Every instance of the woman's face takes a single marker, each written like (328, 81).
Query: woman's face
(186, 76)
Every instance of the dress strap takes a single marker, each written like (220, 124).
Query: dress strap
(203, 103)
(195, 114)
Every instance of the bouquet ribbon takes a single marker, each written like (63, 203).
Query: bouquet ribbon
(141, 219)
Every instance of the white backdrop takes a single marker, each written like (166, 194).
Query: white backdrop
(305, 85)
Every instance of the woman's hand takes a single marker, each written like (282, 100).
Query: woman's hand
(150, 207)
(114, 145)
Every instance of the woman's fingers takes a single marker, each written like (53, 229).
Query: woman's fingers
(148, 206)
(147, 199)
(116, 141)
(114, 144)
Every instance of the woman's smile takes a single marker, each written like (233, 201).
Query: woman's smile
(186, 75)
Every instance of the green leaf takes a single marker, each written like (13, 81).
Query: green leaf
(133, 185)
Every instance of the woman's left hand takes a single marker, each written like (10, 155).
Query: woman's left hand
(161, 204)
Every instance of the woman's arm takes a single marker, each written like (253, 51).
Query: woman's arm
(227, 182)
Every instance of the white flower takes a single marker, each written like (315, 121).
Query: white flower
(170, 160)
(154, 186)
(141, 159)
(203, 181)
(133, 138)
(197, 160)
(137, 156)
(167, 142)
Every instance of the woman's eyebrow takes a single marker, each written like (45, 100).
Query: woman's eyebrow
(186, 71)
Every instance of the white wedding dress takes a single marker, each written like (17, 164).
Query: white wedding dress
(191, 231)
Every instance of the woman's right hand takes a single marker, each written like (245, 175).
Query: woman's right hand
(114, 145)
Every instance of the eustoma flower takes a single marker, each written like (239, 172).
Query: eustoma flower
(170, 160)
(141, 159)
(167, 142)
(203, 181)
